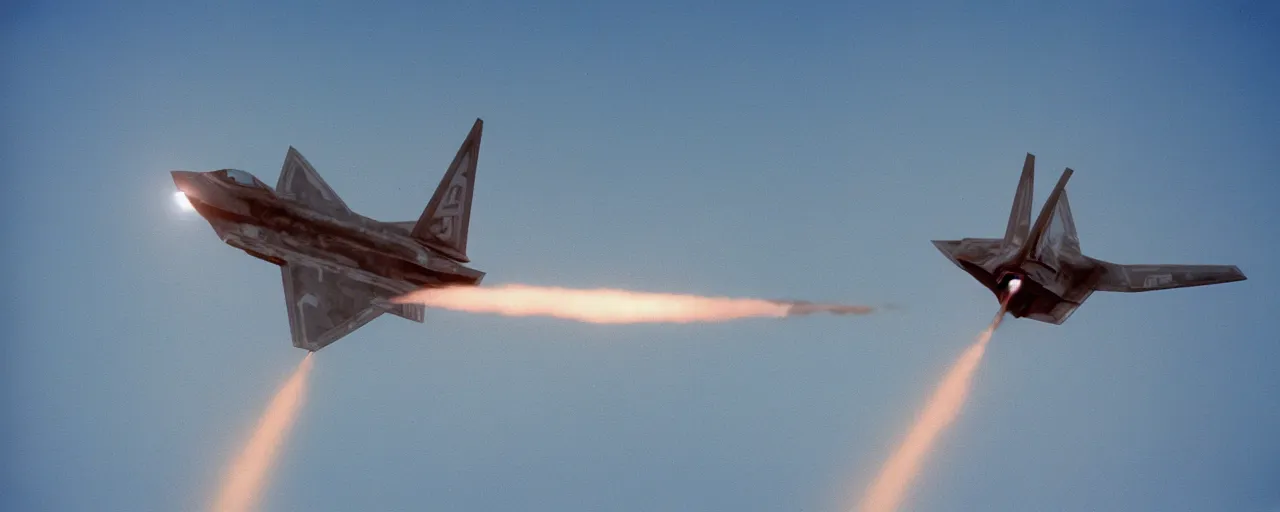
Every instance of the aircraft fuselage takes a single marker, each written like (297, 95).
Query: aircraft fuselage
(277, 230)
(1044, 292)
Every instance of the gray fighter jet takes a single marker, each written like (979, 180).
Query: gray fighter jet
(1052, 277)
(340, 268)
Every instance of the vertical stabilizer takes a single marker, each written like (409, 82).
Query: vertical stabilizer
(1059, 236)
(444, 223)
(1046, 214)
(1015, 234)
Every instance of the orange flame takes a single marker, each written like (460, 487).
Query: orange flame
(890, 487)
(248, 473)
(607, 306)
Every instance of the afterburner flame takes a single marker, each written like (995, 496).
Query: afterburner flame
(890, 487)
(608, 306)
(1014, 285)
(248, 474)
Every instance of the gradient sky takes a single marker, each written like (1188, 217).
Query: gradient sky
(808, 151)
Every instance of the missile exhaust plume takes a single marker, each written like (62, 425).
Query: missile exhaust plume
(890, 487)
(247, 475)
(609, 306)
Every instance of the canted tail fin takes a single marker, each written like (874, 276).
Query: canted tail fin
(1015, 234)
(1059, 234)
(1035, 237)
(444, 223)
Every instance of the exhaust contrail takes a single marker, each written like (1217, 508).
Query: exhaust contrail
(890, 486)
(609, 306)
(247, 475)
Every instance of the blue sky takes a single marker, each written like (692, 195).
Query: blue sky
(726, 148)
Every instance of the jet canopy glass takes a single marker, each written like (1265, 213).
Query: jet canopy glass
(239, 176)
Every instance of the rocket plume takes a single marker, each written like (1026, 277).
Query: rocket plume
(247, 475)
(608, 306)
(890, 486)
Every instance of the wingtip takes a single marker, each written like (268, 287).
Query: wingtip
(946, 247)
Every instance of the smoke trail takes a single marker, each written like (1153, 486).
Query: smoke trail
(607, 306)
(890, 487)
(248, 474)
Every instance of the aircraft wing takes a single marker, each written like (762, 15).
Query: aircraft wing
(1144, 278)
(324, 306)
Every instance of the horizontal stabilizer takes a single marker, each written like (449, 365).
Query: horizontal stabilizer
(414, 312)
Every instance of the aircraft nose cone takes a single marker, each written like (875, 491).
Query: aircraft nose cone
(183, 179)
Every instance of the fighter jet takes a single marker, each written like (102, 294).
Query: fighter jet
(1043, 264)
(340, 268)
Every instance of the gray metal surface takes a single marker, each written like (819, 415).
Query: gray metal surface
(340, 268)
(1056, 276)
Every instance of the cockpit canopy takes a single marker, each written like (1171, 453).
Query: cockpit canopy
(239, 177)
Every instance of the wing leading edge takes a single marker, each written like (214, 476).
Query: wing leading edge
(300, 182)
(1145, 278)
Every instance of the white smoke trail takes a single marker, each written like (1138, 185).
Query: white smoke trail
(244, 481)
(890, 487)
(609, 306)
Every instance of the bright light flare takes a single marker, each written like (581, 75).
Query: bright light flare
(608, 306)
(247, 475)
(184, 203)
(890, 487)
(1014, 285)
